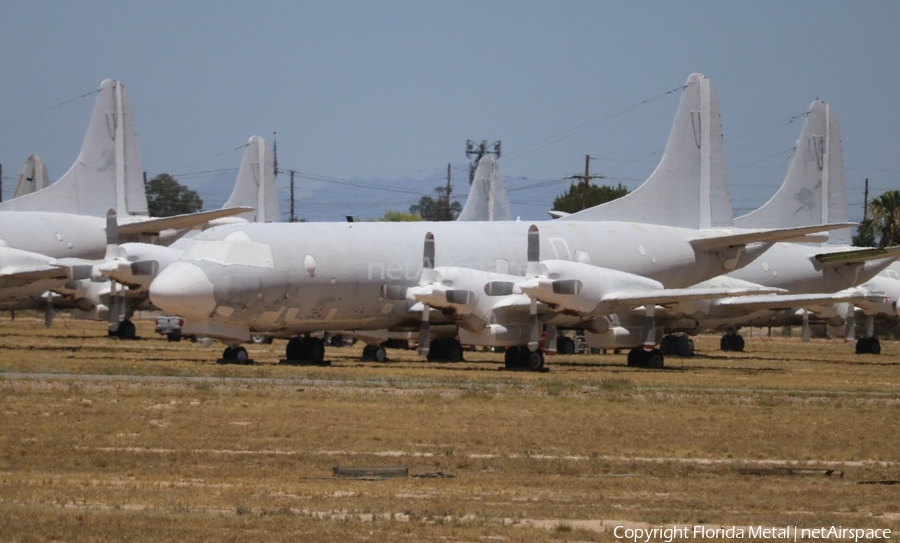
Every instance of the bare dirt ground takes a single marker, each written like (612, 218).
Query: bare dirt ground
(149, 440)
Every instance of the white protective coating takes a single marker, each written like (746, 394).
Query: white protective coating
(814, 189)
(487, 199)
(107, 173)
(689, 187)
(255, 184)
(34, 177)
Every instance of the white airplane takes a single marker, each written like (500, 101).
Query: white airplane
(288, 280)
(67, 220)
(487, 199)
(119, 283)
(106, 175)
(34, 177)
(680, 193)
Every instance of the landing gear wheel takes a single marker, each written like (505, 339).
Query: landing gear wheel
(654, 359)
(511, 358)
(379, 354)
(868, 345)
(676, 345)
(532, 360)
(732, 342)
(296, 349)
(235, 355)
(635, 357)
(173, 336)
(126, 330)
(315, 350)
(454, 351)
(565, 345)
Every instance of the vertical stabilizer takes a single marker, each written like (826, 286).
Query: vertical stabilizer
(689, 187)
(255, 184)
(487, 197)
(33, 178)
(814, 189)
(107, 173)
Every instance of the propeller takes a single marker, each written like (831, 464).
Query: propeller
(429, 276)
(48, 311)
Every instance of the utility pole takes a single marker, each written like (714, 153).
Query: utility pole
(586, 179)
(293, 217)
(866, 201)
(447, 195)
(479, 151)
(1, 189)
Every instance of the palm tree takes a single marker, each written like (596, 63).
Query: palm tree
(884, 213)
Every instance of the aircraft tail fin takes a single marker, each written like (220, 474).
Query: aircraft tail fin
(107, 173)
(487, 196)
(814, 189)
(689, 187)
(255, 185)
(34, 177)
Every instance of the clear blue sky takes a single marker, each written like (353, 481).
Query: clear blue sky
(387, 93)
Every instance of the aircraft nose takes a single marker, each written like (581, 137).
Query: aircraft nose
(185, 290)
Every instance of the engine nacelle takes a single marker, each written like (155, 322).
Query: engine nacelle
(497, 335)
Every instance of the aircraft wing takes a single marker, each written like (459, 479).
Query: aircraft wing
(762, 236)
(24, 275)
(857, 256)
(177, 222)
(792, 301)
(615, 302)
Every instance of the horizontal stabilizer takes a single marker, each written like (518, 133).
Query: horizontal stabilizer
(761, 236)
(177, 222)
(857, 256)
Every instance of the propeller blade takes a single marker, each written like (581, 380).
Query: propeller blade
(460, 297)
(870, 325)
(115, 306)
(393, 292)
(425, 332)
(567, 286)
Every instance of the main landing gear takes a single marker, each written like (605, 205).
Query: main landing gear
(445, 350)
(732, 342)
(374, 352)
(639, 358)
(868, 345)
(235, 355)
(520, 357)
(126, 330)
(304, 350)
(677, 345)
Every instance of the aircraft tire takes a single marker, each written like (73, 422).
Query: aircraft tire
(453, 351)
(635, 357)
(565, 345)
(738, 343)
(532, 360)
(511, 358)
(379, 354)
(296, 349)
(654, 359)
(315, 350)
(126, 330)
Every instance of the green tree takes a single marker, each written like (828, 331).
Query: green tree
(883, 222)
(399, 216)
(167, 197)
(571, 201)
(437, 209)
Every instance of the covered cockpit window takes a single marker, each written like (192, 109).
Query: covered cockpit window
(236, 249)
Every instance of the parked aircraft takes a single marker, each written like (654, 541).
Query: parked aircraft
(288, 280)
(34, 177)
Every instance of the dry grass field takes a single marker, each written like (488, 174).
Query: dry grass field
(146, 440)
